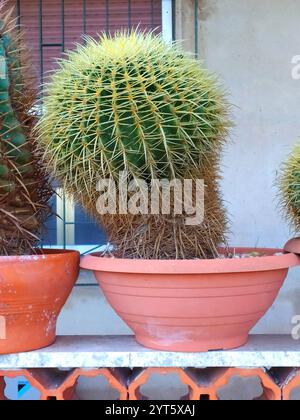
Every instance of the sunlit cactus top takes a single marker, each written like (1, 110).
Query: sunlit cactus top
(130, 102)
(290, 188)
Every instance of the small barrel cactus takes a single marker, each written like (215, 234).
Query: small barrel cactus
(133, 103)
(24, 188)
(290, 188)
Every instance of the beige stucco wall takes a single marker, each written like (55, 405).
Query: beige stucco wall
(250, 44)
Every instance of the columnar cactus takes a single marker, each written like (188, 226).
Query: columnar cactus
(24, 188)
(132, 103)
(290, 188)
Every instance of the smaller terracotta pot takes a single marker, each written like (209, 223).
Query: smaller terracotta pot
(192, 305)
(33, 290)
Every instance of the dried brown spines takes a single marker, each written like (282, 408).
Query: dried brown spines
(24, 186)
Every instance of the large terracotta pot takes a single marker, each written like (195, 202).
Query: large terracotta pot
(192, 305)
(33, 290)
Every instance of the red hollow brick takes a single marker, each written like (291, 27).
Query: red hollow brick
(55, 383)
(117, 378)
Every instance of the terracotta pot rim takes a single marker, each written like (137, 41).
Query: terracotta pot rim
(42, 255)
(270, 261)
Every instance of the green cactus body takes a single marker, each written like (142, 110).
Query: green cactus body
(24, 188)
(130, 103)
(12, 135)
(290, 188)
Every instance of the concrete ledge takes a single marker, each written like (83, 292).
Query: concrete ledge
(123, 351)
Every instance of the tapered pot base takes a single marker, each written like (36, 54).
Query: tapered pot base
(194, 346)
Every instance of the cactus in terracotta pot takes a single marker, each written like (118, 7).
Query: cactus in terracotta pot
(133, 103)
(24, 187)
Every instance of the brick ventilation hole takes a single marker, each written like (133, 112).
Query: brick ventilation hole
(210, 381)
(117, 379)
(15, 374)
(141, 376)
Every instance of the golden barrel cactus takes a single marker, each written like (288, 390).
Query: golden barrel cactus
(133, 103)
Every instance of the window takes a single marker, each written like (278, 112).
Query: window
(54, 26)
